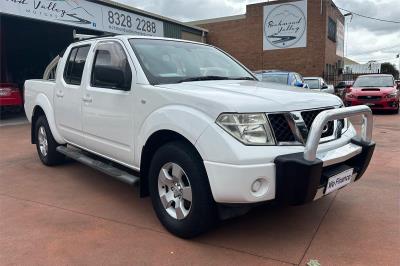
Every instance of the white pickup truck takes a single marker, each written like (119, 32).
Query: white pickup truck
(194, 127)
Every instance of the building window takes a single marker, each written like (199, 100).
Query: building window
(332, 30)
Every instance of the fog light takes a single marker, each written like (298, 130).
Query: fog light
(256, 186)
(259, 187)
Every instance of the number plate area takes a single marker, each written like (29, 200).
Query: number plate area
(339, 180)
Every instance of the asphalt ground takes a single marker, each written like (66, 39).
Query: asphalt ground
(73, 215)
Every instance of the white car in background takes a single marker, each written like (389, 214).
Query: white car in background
(317, 83)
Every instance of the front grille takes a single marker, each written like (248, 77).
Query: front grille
(309, 116)
(283, 132)
(369, 98)
(370, 90)
(281, 128)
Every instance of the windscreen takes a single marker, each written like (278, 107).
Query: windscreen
(167, 62)
(374, 81)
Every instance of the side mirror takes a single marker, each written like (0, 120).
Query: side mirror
(324, 87)
(110, 77)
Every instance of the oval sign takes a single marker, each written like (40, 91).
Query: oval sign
(285, 26)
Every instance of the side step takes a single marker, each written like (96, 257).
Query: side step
(108, 169)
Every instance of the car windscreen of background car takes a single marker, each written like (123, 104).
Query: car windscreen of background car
(275, 78)
(167, 62)
(374, 81)
(312, 83)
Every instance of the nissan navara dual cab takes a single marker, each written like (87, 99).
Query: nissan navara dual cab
(194, 128)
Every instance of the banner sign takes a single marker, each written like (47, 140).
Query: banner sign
(340, 39)
(285, 25)
(84, 14)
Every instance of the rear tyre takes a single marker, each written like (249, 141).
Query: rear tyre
(180, 191)
(46, 145)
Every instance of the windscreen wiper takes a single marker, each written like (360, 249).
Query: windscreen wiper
(201, 78)
(243, 78)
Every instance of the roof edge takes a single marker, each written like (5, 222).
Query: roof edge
(216, 20)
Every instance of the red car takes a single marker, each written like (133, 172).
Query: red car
(379, 91)
(10, 97)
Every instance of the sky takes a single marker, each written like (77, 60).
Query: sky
(366, 39)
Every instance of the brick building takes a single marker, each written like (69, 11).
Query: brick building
(245, 36)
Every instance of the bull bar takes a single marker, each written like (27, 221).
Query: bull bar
(314, 136)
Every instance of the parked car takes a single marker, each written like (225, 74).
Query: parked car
(378, 91)
(340, 88)
(10, 97)
(282, 77)
(203, 145)
(317, 83)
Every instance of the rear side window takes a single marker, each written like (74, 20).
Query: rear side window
(75, 65)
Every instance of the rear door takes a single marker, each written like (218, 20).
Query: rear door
(68, 95)
(108, 103)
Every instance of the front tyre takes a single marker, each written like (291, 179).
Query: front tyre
(180, 191)
(46, 145)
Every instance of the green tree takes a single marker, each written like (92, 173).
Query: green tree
(388, 68)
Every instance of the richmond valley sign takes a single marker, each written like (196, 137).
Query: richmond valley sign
(285, 25)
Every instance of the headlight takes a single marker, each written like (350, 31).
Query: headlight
(250, 129)
(350, 95)
(392, 95)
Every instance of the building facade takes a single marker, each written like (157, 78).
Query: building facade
(301, 36)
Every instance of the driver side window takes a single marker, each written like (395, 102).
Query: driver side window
(111, 67)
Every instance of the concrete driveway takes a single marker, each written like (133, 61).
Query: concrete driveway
(73, 215)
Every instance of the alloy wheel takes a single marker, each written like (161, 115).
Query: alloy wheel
(42, 138)
(175, 191)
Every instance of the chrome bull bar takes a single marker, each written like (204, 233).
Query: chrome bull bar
(314, 135)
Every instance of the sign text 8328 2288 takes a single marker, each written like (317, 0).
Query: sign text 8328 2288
(118, 21)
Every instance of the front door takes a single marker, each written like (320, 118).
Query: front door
(68, 96)
(108, 103)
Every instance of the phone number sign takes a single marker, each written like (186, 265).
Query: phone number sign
(118, 21)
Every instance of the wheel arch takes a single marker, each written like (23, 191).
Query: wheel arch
(37, 112)
(153, 143)
(43, 107)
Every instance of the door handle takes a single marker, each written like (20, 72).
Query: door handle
(87, 99)
(60, 94)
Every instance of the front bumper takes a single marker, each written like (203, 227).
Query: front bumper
(297, 177)
(299, 181)
(386, 104)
